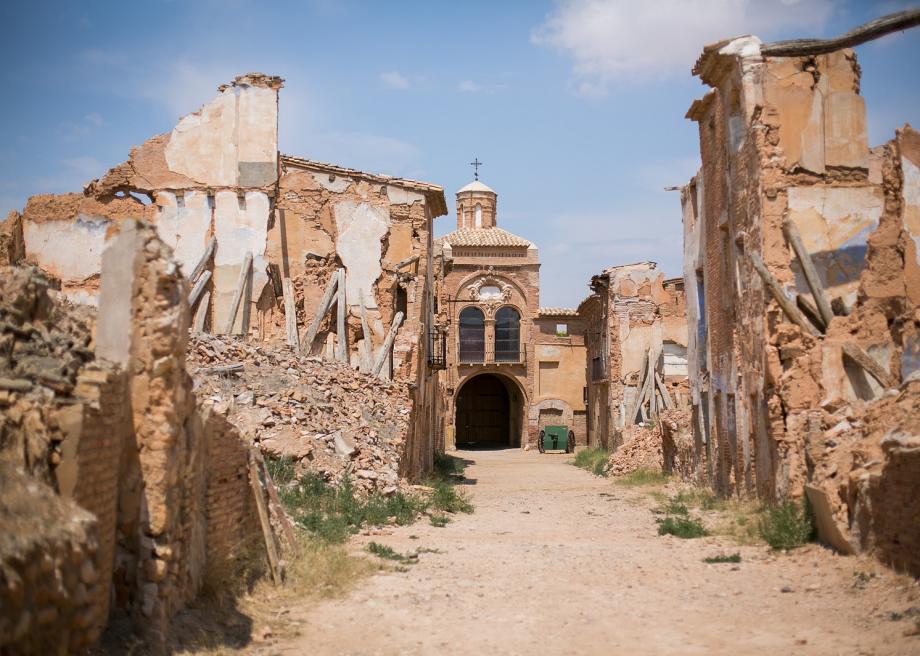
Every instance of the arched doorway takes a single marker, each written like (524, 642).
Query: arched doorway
(488, 412)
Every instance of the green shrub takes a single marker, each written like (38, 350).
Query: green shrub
(682, 527)
(721, 558)
(385, 552)
(446, 498)
(643, 477)
(592, 459)
(447, 466)
(439, 521)
(787, 526)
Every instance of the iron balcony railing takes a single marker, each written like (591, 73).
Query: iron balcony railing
(437, 350)
(482, 354)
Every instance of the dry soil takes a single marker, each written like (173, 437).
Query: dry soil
(557, 561)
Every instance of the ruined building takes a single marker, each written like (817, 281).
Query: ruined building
(511, 366)
(278, 248)
(801, 267)
(636, 344)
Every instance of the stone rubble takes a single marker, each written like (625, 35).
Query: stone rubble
(325, 416)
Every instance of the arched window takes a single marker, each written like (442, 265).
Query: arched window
(507, 335)
(478, 215)
(472, 335)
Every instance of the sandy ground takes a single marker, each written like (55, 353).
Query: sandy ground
(556, 561)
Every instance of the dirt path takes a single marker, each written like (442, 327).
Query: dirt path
(556, 561)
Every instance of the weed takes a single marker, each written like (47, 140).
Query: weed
(385, 552)
(447, 498)
(592, 459)
(643, 477)
(681, 527)
(786, 526)
(439, 521)
(673, 507)
(721, 558)
(447, 466)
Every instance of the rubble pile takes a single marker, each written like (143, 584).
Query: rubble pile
(43, 345)
(641, 449)
(324, 415)
(678, 455)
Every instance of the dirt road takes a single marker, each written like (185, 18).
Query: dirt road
(556, 561)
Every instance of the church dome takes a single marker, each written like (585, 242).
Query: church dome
(476, 185)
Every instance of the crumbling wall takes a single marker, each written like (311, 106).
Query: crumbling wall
(633, 318)
(788, 175)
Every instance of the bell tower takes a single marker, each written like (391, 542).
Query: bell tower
(476, 203)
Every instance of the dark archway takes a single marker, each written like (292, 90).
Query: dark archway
(488, 413)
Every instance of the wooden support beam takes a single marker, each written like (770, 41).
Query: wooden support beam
(274, 503)
(811, 273)
(306, 345)
(665, 397)
(787, 305)
(367, 361)
(198, 288)
(274, 274)
(341, 346)
(203, 262)
(290, 314)
(271, 549)
(868, 364)
(222, 369)
(810, 312)
(406, 262)
(201, 314)
(633, 409)
(650, 387)
(245, 270)
(387, 344)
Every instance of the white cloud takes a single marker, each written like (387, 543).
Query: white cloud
(610, 39)
(394, 80)
(94, 119)
(468, 86)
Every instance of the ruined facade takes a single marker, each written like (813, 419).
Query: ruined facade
(260, 236)
(634, 324)
(802, 276)
(509, 368)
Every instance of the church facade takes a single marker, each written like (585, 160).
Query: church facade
(510, 367)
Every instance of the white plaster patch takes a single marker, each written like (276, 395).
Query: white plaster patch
(184, 229)
(743, 46)
(337, 185)
(240, 229)
(401, 196)
(835, 224)
(549, 352)
(911, 191)
(360, 228)
(239, 126)
(71, 250)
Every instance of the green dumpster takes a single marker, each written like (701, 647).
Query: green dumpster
(554, 439)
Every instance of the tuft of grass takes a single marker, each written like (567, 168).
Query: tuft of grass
(681, 527)
(787, 526)
(447, 498)
(673, 507)
(643, 477)
(385, 552)
(447, 466)
(722, 558)
(592, 459)
(439, 521)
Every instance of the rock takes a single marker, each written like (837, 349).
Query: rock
(344, 445)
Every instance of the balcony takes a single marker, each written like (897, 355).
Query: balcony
(437, 350)
(479, 353)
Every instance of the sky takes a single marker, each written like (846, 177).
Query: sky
(576, 107)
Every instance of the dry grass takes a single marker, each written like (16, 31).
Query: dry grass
(739, 519)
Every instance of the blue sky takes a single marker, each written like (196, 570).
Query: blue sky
(576, 108)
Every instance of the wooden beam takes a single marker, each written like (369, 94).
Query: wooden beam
(652, 374)
(811, 273)
(406, 262)
(787, 305)
(290, 314)
(341, 346)
(869, 365)
(274, 274)
(271, 549)
(222, 369)
(306, 344)
(368, 360)
(872, 30)
(640, 387)
(387, 344)
(665, 397)
(274, 503)
(198, 288)
(238, 296)
(201, 314)
(203, 262)
(810, 312)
